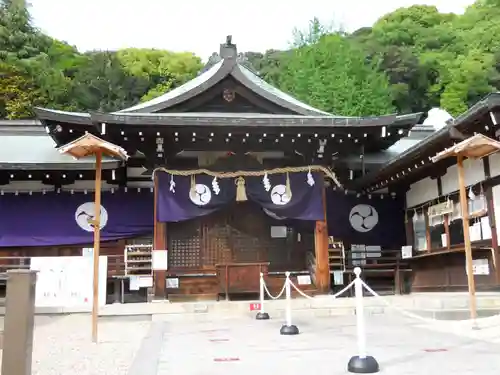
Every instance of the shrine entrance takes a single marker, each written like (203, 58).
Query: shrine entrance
(239, 233)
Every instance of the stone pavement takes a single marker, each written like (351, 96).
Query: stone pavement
(206, 345)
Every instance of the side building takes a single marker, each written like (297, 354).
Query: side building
(433, 212)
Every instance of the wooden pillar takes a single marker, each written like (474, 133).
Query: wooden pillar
(159, 243)
(490, 204)
(97, 242)
(321, 250)
(468, 249)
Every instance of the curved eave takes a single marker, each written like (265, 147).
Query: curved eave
(186, 91)
(255, 120)
(271, 93)
(80, 166)
(62, 116)
(215, 74)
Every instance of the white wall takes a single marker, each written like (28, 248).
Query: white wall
(426, 189)
(421, 192)
(474, 173)
(496, 205)
(494, 164)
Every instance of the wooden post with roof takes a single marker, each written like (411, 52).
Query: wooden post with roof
(475, 147)
(85, 146)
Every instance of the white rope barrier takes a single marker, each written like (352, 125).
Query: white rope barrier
(361, 363)
(280, 294)
(338, 294)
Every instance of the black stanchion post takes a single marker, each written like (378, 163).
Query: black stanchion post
(288, 328)
(361, 363)
(262, 315)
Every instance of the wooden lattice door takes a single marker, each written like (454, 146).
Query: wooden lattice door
(215, 243)
(248, 232)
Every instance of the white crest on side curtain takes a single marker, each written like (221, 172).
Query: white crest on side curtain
(172, 183)
(215, 186)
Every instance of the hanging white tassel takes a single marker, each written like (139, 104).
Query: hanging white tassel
(172, 183)
(472, 196)
(415, 216)
(310, 178)
(266, 182)
(215, 186)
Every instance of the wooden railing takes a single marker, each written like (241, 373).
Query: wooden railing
(385, 259)
(116, 265)
(386, 263)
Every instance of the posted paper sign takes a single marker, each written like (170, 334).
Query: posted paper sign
(304, 279)
(479, 267)
(68, 281)
(160, 260)
(406, 252)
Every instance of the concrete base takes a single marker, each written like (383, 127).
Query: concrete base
(441, 306)
(289, 330)
(366, 365)
(262, 316)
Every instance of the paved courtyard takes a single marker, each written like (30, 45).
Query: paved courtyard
(204, 345)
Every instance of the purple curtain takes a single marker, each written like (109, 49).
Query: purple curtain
(65, 219)
(366, 221)
(177, 205)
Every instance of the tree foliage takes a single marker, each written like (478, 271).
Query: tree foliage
(410, 60)
(331, 73)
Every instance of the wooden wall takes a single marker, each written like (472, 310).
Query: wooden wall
(238, 234)
(443, 268)
(447, 272)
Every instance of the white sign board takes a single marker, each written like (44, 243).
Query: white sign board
(479, 267)
(373, 251)
(160, 260)
(172, 283)
(304, 279)
(406, 252)
(88, 252)
(68, 281)
(338, 277)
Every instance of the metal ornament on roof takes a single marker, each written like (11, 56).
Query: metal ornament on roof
(228, 95)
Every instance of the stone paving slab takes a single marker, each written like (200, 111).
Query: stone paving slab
(324, 346)
(241, 345)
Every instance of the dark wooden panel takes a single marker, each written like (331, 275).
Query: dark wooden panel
(238, 233)
(184, 244)
(446, 272)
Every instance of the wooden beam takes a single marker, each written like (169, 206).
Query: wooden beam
(97, 242)
(467, 243)
(490, 204)
(159, 243)
(321, 251)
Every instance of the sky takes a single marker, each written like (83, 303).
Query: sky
(200, 26)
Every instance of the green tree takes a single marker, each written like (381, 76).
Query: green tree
(18, 38)
(165, 70)
(102, 84)
(332, 74)
(18, 93)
